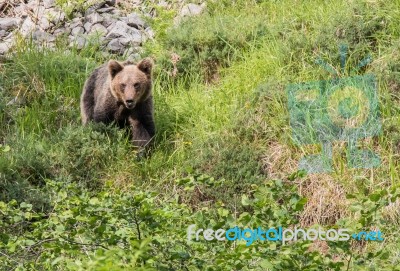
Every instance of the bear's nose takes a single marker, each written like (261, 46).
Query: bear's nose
(130, 103)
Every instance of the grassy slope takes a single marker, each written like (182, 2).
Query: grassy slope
(235, 129)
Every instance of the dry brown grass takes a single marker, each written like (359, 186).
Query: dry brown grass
(392, 212)
(326, 200)
(325, 194)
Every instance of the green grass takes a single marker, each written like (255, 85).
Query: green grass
(218, 141)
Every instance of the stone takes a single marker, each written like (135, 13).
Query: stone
(106, 10)
(87, 27)
(42, 36)
(111, 2)
(121, 29)
(62, 31)
(77, 30)
(38, 11)
(124, 41)
(94, 18)
(98, 29)
(78, 41)
(133, 57)
(150, 33)
(192, 10)
(4, 47)
(77, 15)
(49, 3)
(27, 27)
(108, 19)
(94, 7)
(54, 16)
(3, 33)
(132, 54)
(21, 11)
(76, 22)
(115, 46)
(44, 23)
(135, 21)
(32, 5)
(8, 24)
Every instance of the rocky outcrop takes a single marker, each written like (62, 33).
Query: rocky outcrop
(116, 32)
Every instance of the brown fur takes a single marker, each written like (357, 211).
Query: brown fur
(121, 93)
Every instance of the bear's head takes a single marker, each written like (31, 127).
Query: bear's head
(130, 83)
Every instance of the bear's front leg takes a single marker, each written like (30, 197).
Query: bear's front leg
(140, 136)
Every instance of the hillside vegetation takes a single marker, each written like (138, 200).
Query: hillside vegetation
(79, 198)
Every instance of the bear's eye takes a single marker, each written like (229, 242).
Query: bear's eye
(136, 85)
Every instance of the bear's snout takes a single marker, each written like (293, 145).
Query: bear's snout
(130, 104)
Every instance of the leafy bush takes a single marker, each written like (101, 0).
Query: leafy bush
(139, 230)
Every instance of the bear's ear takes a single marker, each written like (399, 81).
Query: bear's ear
(145, 66)
(114, 67)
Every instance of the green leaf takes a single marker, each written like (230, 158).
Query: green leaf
(94, 201)
(246, 201)
(375, 197)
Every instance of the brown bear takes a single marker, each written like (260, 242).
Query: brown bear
(121, 93)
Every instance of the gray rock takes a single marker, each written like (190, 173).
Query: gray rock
(94, 18)
(77, 15)
(3, 33)
(38, 11)
(150, 33)
(32, 5)
(42, 36)
(4, 47)
(124, 41)
(8, 24)
(77, 30)
(62, 31)
(122, 30)
(108, 19)
(78, 41)
(192, 10)
(21, 11)
(132, 54)
(106, 10)
(87, 27)
(48, 3)
(135, 21)
(94, 7)
(27, 27)
(76, 22)
(111, 2)
(98, 29)
(44, 23)
(54, 16)
(135, 57)
(115, 46)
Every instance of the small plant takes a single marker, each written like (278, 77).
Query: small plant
(69, 7)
